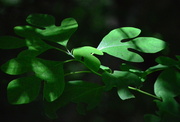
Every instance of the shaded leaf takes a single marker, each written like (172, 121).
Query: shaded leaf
(178, 57)
(167, 87)
(53, 75)
(86, 55)
(166, 61)
(78, 92)
(132, 69)
(10, 42)
(168, 83)
(121, 80)
(155, 68)
(151, 118)
(41, 20)
(27, 31)
(113, 44)
(23, 90)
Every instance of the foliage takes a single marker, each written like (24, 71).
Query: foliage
(36, 73)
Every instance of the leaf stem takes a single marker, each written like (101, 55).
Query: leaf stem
(96, 73)
(61, 50)
(78, 72)
(143, 92)
(71, 60)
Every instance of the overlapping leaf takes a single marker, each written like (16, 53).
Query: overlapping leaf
(86, 55)
(121, 80)
(21, 64)
(53, 75)
(26, 61)
(113, 44)
(166, 61)
(59, 34)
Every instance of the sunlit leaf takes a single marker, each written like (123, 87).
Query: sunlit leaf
(23, 90)
(148, 44)
(53, 75)
(105, 68)
(59, 34)
(113, 44)
(86, 55)
(22, 63)
(10, 42)
(15, 66)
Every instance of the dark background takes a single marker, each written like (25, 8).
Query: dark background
(157, 18)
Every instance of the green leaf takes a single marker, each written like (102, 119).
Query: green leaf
(86, 55)
(155, 68)
(15, 66)
(113, 44)
(27, 31)
(167, 87)
(151, 118)
(121, 80)
(23, 90)
(166, 61)
(53, 75)
(168, 83)
(78, 92)
(178, 57)
(132, 69)
(105, 68)
(59, 34)
(10, 42)
(124, 93)
(41, 20)
(22, 63)
(148, 44)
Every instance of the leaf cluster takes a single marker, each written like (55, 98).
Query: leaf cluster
(36, 74)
